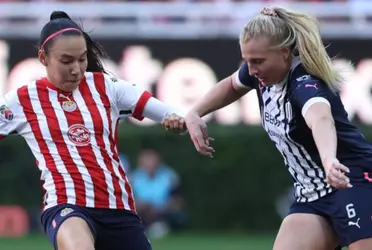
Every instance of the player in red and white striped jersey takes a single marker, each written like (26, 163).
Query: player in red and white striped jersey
(69, 120)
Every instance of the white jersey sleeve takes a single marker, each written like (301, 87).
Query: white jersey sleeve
(11, 114)
(138, 102)
(127, 97)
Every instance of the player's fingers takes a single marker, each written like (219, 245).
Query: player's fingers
(165, 123)
(204, 148)
(200, 147)
(196, 145)
(172, 122)
(342, 168)
(200, 139)
(178, 124)
(181, 124)
(338, 180)
(207, 140)
(339, 174)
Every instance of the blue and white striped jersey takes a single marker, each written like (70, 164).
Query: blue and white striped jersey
(282, 107)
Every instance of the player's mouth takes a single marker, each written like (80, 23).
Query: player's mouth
(263, 80)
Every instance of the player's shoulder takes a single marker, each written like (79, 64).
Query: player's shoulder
(103, 78)
(22, 90)
(243, 77)
(301, 78)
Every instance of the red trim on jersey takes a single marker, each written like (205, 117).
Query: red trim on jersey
(99, 133)
(63, 151)
(99, 82)
(31, 117)
(140, 106)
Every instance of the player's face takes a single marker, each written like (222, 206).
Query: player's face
(269, 65)
(67, 62)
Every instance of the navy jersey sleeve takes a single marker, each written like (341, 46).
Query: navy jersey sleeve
(242, 77)
(308, 90)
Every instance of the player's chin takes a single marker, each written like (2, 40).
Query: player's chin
(265, 82)
(70, 85)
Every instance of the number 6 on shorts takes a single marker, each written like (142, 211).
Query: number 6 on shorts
(350, 210)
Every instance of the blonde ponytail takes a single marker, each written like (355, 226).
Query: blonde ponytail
(299, 31)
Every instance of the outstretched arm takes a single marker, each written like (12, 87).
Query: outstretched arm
(138, 102)
(225, 92)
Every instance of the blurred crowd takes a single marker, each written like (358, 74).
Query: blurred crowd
(157, 191)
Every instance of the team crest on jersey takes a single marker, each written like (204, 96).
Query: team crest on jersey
(66, 211)
(69, 106)
(6, 113)
(303, 78)
(79, 135)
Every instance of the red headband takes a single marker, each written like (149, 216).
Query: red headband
(56, 34)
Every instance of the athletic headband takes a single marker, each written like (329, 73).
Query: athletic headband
(56, 34)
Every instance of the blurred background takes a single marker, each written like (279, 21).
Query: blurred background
(178, 49)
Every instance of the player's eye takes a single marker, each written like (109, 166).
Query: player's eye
(257, 61)
(65, 62)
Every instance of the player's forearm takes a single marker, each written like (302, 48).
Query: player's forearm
(325, 137)
(157, 110)
(221, 95)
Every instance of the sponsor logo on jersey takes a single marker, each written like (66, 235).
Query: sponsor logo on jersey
(272, 119)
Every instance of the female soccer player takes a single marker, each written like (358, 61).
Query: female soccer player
(69, 120)
(297, 87)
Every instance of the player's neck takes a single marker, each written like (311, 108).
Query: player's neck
(50, 83)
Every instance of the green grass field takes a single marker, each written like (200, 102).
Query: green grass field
(179, 242)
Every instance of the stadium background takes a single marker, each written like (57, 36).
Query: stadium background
(178, 50)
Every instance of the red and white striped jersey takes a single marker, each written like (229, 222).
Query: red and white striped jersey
(73, 137)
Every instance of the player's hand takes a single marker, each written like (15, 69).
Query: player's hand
(174, 123)
(336, 174)
(198, 134)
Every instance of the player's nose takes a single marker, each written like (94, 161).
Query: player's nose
(253, 71)
(75, 69)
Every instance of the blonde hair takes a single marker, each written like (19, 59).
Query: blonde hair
(297, 31)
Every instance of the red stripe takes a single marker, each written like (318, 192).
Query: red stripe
(25, 101)
(57, 137)
(140, 106)
(101, 197)
(99, 133)
(99, 82)
(2, 136)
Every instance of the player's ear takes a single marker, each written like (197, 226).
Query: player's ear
(42, 57)
(286, 53)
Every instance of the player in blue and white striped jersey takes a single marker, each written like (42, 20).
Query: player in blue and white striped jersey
(287, 64)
